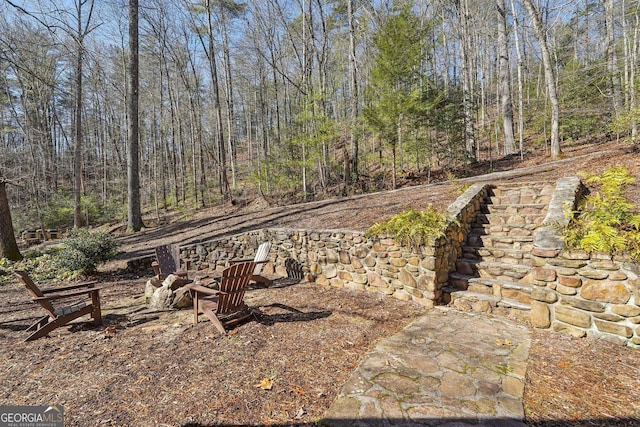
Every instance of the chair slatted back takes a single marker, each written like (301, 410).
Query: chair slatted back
(262, 255)
(233, 285)
(294, 269)
(168, 257)
(33, 289)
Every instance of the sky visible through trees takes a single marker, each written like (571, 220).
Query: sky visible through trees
(292, 99)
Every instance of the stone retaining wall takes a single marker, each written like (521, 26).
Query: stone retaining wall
(575, 292)
(345, 258)
(578, 293)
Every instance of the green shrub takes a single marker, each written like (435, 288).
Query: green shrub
(84, 251)
(412, 228)
(606, 221)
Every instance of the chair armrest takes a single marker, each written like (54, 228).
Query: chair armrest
(203, 290)
(90, 284)
(67, 294)
(237, 260)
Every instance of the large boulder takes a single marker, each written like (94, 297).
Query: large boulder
(172, 293)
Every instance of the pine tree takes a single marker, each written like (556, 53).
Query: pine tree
(395, 81)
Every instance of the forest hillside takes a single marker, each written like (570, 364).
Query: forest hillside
(113, 110)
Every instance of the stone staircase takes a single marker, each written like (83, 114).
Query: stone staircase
(493, 271)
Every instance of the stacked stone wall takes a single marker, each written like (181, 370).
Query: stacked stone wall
(582, 294)
(588, 295)
(345, 258)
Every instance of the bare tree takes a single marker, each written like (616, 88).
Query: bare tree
(549, 77)
(615, 91)
(505, 78)
(134, 213)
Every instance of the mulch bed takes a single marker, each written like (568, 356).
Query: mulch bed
(145, 368)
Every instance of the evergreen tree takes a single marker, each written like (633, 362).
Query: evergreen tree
(394, 87)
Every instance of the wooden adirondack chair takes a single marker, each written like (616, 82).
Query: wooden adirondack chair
(260, 259)
(224, 307)
(168, 262)
(295, 273)
(59, 316)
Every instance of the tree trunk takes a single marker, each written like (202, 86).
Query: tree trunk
(612, 59)
(8, 246)
(133, 175)
(77, 152)
(467, 79)
(549, 78)
(351, 165)
(516, 34)
(223, 181)
(505, 79)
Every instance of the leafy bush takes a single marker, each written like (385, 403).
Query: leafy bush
(412, 228)
(84, 251)
(606, 221)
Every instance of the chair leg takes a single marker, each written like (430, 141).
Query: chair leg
(39, 324)
(44, 330)
(214, 319)
(195, 308)
(96, 312)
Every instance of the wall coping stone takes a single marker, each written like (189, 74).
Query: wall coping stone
(565, 196)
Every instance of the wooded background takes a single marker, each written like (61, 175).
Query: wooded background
(295, 99)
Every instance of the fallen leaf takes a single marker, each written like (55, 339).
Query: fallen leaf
(300, 413)
(265, 384)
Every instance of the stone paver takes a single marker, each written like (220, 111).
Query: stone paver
(448, 368)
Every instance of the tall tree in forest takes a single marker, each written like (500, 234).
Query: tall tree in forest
(8, 246)
(83, 28)
(206, 34)
(549, 77)
(468, 76)
(134, 214)
(395, 78)
(615, 91)
(351, 172)
(505, 79)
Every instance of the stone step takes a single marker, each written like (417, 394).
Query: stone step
(520, 198)
(524, 243)
(506, 255)
(484, 303)
(492, 270)
(546, 187)
(508, 218)
(516, 291)
(513, 209)
(503, 230)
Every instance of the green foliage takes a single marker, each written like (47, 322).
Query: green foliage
(583, 104)
(39, 263)
(58, 212)
(622, 124)
(84, 251)
(396, 75)
(412, 228)
(606, 221)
